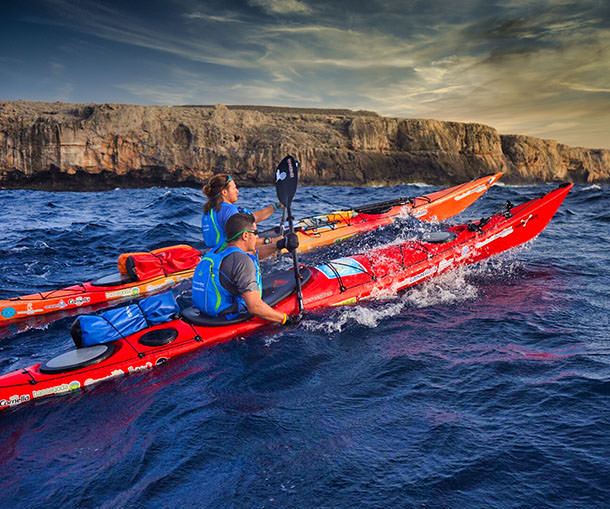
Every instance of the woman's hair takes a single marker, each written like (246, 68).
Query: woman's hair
(213, 191)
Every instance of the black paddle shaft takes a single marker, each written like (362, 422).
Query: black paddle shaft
(286, 182)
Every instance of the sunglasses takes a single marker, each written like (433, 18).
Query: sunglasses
(255, 232)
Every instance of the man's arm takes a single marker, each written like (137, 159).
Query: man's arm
(262, 214)
(267, 250)
(258, 307)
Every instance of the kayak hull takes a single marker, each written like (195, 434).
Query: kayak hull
(82, 295)
(384, 271)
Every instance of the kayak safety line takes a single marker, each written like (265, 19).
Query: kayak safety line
(140, 354)
(342, 287)
(32, 379)
(50, 294)
(197, 337)
(504, 211)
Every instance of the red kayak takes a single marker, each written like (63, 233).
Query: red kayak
(386, 270)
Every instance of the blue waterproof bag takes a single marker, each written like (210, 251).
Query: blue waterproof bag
(159, 308)
(89, 330)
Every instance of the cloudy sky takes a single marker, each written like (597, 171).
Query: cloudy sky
(535, 67)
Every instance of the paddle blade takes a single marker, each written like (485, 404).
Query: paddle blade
(286, 180)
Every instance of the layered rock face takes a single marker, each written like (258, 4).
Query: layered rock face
(99, 146)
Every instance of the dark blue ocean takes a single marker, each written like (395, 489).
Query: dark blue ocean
(488, 387)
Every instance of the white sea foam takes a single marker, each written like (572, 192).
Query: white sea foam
(447, 288)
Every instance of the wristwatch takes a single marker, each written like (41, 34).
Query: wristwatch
(267, 241)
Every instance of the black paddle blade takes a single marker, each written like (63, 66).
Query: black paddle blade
(286, 180)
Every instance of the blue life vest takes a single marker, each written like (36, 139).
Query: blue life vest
(213, 224)
(209, 295)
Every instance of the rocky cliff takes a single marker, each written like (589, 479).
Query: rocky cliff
(98, 146)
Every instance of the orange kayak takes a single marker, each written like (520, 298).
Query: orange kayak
(313, 232)
(318, 231)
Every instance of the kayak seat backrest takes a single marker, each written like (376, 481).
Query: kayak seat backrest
(276, 287)
(77, 359)
(194, 316)
(116, 279)
(438, 237)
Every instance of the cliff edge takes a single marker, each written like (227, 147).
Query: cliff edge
(100, 146)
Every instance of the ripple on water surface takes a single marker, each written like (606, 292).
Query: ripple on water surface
(488, 386)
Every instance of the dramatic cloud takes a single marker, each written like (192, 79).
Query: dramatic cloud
(537, 67)
(282, 6)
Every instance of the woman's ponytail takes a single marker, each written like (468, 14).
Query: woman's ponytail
(213, 191)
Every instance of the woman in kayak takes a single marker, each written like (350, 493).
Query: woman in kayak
(227, 280)
(222, 193)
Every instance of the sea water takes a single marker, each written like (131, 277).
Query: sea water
(486, 387)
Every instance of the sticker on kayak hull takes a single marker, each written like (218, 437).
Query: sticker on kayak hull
(479, 189)
(127, 292)
(342, 267)
(58, 389)
(420, 213)
(8, 312)
(498, 235)
(15, 400)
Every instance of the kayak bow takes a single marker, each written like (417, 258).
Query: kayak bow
(386, 270)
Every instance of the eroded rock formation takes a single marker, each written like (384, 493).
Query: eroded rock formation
(98, 146)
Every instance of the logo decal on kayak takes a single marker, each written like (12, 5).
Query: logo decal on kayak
(15, 400)
(60, 305)
(342, 267)
(58, 389)
(420, 213)
(116, 372)
(127, 292)
(8, 312)
(135, 369)
(421, 275)
(30, 310)
(498, 235)
(79, 301)
(320, 296)
(479, 189)
(280, 175)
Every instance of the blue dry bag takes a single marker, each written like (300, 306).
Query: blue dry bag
(89, 330)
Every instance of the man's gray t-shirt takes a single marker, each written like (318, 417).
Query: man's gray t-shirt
(238, 274)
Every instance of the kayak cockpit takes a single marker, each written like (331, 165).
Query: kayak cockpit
(276, 287)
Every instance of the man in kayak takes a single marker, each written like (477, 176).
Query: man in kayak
(227, 280)
(222, 194)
